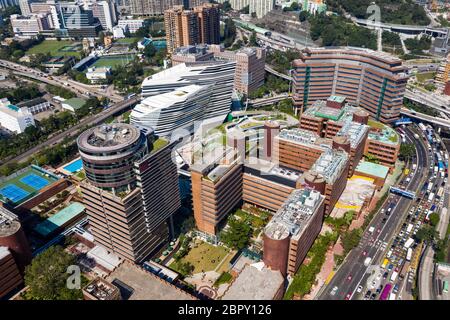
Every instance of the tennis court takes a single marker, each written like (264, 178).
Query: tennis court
(34, 181)
(24, 184)
(13, 193)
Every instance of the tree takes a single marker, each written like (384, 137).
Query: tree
(303, 16)
(47, 276)
(150, 51)
(427, 234)
(237, 235)
(350, 239)
(226, 6)
(434, 219)
(407, 150)
(185, 268)
(253, 42)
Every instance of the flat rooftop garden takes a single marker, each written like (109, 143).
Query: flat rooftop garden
(203, 257)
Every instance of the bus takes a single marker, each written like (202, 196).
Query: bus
(409, 243)
(440, 192)
(431, 197)
(409, 254)
(386, 291)
(430, 186)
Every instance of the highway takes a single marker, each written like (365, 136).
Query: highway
(76, 87)
(353, 273)
(426, 118)
(74, 131)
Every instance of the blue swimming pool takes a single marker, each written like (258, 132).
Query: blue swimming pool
(74, 166)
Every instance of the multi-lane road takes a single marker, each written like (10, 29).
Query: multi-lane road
(353, 273)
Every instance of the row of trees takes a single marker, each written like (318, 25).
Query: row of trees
(339, 31)
(392, 11)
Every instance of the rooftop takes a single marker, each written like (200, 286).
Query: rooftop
(373, 169)
(255, 283)
(319, 109)
(109, 136)
(60, 218)
(295, 214)
(354, 131)
(8, 222)
(338, 99)
(382, 133)
(142, 285)
(102, 290)
(75, 103)
(330, 164)
(165, 100)
(304, 137)
(4, 252)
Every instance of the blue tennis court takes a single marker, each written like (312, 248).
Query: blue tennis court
(13, 193)
(34, 181)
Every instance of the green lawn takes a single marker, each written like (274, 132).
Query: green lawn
(204, 256)
(114, 61)
(56, 47)
(127, 40)
(421, 77)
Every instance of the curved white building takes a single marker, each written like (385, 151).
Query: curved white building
(179, 109)
(217, 74)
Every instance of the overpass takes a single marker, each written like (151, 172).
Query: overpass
(405, 29)
(269, 69)
(429, 100)
(267, 101)
(426, 118)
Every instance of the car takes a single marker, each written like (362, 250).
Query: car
(364, 253)
(390, 266)
(373, 284)
(385, 275)
(349, 278)
(359, 289)
(396, 287)
(334, 290)
(379, 288)
(347, 297)
(384, 220)
(367, 295)
(373, 296)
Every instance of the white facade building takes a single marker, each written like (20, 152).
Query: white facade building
(261, 7)
(132, 25)
(218, 74)
(30, 25)
(24, 7)
(118, 32)
(13, 118)
(181, 109)
(95, 74)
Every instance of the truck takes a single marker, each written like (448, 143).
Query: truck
(392, 296)
(409, 243)
(371, 229)
(404, 270)
(385, 263)
(422, 126)
(367, 261)
(409, 254)
(414, 166)
(430, 186)
(436, 169)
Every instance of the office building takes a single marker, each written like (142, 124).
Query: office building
(72, 20)
(105, 12)
(266, 185)
(10, 277)
(180, 109)
(372, 80)
(25, 9)
(131, 188)
(292, 231)
(219, 75)
(250, 63)
(328, 175)
(13, 118)
(12, 236)
(30, 25)
(191, 27)
(298, 149)
(216, 190)
(8, 3)
(383, 143)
